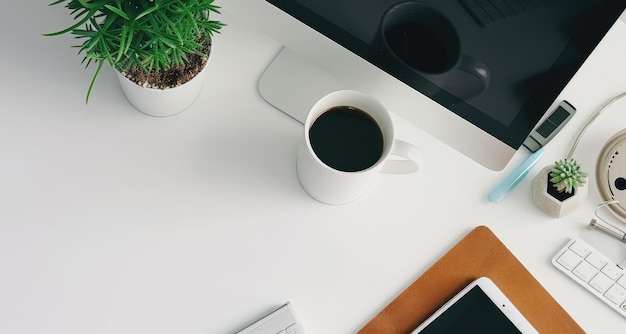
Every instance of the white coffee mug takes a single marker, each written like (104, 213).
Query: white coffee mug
(334, 186)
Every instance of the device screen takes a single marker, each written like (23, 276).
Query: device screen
(501, 74)
(474, 313)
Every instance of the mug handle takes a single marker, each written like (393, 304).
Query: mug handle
(412, 155)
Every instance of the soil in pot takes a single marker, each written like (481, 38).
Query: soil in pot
(561, 196)
(174, 76)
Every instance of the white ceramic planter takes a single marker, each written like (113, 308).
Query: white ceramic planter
(551, 205)
(163, 102)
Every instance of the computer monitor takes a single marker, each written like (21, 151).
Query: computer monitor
(476, 74)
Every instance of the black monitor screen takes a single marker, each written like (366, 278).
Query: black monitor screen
(499, 64)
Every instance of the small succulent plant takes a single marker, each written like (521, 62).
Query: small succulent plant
(566, 175)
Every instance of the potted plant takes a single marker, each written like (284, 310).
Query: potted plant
(560, 188)
(159, 48)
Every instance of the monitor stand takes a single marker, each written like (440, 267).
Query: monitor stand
(293, 85)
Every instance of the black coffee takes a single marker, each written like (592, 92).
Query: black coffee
(347, 139)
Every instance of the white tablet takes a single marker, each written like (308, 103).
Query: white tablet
(479, 308)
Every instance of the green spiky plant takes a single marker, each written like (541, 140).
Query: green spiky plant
(146, 35)
(566, 175)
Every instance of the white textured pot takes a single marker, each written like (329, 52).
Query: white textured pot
(550, 205)
(164, 102)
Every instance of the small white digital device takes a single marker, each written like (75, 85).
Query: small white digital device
(481, 307)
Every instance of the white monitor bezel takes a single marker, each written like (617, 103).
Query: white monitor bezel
(398, 97)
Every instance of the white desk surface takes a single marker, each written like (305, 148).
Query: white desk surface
(112, 221)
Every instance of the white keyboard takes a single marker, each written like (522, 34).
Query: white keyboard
(594, 271)
(280, 321)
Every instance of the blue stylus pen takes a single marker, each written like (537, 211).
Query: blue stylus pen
(503, 189)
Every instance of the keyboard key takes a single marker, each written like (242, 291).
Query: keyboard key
(596, 260)
(616, 294)
(601, 282)
(580, 248)
(503, 8)
(569, 260)
(489, 8)
(280, 321)
(477, 12)
(622, 281)
(527, 4)
(515, 6)
(594, 272)
(487, 12)
(613, 271)
(584, 271)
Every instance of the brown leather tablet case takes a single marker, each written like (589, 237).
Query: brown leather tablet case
(479, 253)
